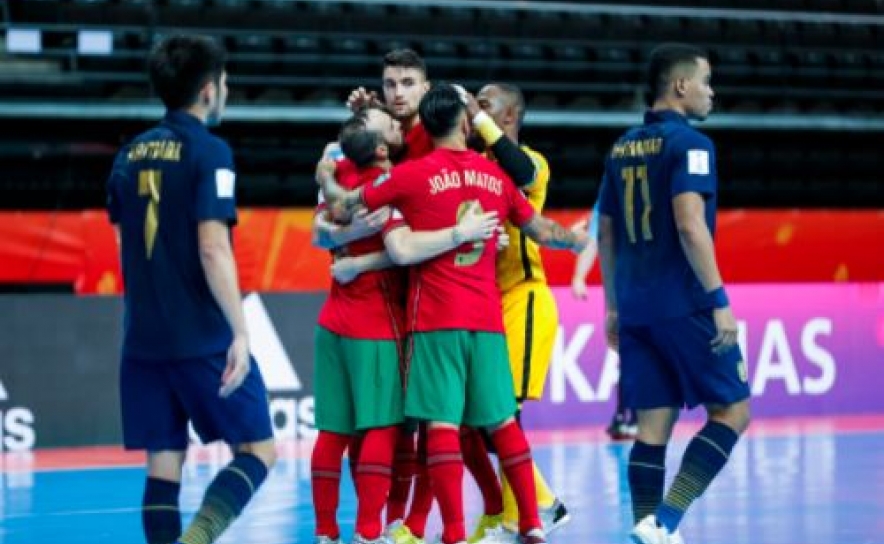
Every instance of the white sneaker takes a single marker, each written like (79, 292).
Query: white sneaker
(499, 535)
(359, 539)
(553, 517)
(648, 532)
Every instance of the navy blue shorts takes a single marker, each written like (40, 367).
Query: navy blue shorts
(159, 398)
(671, 364)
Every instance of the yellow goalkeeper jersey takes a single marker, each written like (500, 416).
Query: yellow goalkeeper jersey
(521, 260)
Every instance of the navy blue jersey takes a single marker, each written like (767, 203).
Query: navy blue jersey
(645, 169)
(163, 184)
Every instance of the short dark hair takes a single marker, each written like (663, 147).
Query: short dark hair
(405, 58)
(664, 58)
(439, 110)
(358, 142)
(515, 95)
(179, 66)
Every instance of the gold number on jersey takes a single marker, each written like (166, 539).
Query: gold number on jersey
(631, 175)
(471, 256)
(149, 184)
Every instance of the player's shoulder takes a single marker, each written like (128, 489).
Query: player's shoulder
(212, 150)
(371, 175)
(539, 160)
(684, 137)
(213, 143)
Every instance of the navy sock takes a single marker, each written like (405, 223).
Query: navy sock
(647, 477)
(704, 458)
(225, 498)
(160, 516)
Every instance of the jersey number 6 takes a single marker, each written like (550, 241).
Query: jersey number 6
(471, 256)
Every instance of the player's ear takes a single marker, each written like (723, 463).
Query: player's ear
(512, 114)
(208, 93)
(680, 86)
(382, 152)
(465, 126)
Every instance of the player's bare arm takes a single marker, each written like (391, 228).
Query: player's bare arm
(699, 248)
(328, 234)
(608, 260)
(549, 233)
(219, 266)
(407, 247)
(346, 269)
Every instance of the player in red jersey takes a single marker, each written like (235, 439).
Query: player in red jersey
(454, 311)
(358, 387)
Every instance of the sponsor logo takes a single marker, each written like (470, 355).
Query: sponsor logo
(291, 408)
(16, 424)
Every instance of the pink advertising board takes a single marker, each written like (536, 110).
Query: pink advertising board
(811, 349)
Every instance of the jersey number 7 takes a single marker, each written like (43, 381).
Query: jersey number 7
(149, 183)
(631, 175)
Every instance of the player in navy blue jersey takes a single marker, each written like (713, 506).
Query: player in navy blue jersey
(666, 305)
(185, 354)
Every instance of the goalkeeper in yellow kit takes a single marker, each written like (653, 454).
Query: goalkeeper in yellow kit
(529, 309)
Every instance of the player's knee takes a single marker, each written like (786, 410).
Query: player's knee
(264, 450)
(494, 428)
(736, 416)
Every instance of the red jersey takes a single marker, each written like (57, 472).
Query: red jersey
(418, 142)
(371, 307)
(457, 289)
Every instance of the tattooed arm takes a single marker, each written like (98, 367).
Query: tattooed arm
(549, 233)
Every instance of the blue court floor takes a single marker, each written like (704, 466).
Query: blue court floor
(806, 484)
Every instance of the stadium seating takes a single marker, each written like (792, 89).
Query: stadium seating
(770, 57)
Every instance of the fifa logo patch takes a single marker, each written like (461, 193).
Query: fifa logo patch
(381, 179)
(742, 370)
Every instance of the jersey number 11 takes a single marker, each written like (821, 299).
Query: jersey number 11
(632, 175)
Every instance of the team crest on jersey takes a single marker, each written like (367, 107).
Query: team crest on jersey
(381, 179)
(742, 370)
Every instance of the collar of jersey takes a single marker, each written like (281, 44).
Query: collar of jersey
(183, 119)
(664, 116)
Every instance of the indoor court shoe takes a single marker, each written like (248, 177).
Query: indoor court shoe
(648, 532)
(624, 426)
(553, 517)
(499, 535)
(485, 524)
(399, 533)
(359, 539)
(534, 536)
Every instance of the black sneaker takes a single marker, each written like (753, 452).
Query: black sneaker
(553, 517)
(624, 426)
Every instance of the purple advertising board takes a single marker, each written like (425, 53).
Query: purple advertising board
(811, 349)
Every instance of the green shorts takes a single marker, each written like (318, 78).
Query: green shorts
(460, 377)
(357, 383)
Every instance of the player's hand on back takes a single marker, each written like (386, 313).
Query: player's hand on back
(473, 225)
(503, 239)
(366, 223)
(345, 269)
(726, 330)
(238, 366)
